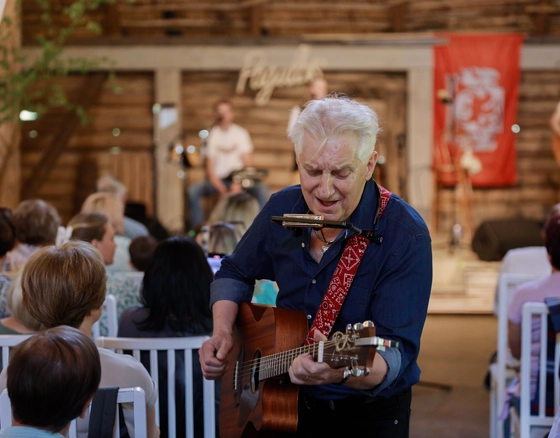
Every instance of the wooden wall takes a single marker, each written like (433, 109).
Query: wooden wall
(385, 92)
(221, 18)
(93, 149)
(9, 131)
(538, 186)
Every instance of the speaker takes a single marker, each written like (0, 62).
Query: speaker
(494, 238)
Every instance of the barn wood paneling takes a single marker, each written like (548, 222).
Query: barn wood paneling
(215, 18)
(385, 92)
(125, 103)
(538, 186)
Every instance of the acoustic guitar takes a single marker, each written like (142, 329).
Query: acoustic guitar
(257, 394)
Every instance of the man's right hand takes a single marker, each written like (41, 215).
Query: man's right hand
(213, 356)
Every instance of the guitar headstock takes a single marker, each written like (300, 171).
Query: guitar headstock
(354, 349)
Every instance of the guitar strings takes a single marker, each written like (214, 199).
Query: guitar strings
(270, 360)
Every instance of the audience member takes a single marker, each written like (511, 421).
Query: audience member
(175, 297)
(229, 220)
(7, 241)
(96, 229)
(20, 320)
(66, 286)
(229, 149)
(141, 252)
(111, 206)
(36, 223)
(110, 184)
(535, 291)
(531, 260)
(42, 382)
(236, 208)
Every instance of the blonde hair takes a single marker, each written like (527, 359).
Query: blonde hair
(62, 285)
(110, 205)
(88, 226)
(237, 208)
(14, 304)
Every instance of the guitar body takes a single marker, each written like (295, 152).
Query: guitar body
(556, 148)
(252, 406)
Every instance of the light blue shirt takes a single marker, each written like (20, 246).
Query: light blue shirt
(27, 432)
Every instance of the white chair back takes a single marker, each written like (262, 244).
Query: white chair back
(171, 345)
(136, 396)
(7, 342)
(507, 283)
(526, 419)
(110, 309)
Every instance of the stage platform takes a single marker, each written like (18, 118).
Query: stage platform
(462, 283)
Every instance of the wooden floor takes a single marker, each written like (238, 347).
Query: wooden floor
(462, 283)
(450, 401)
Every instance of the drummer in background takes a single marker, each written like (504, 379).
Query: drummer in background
(229, 149)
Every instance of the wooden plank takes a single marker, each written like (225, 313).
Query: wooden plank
(60, 141)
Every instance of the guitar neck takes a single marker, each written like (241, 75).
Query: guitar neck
(277, 364)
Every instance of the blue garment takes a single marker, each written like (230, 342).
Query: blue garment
(391, 288)
(27, 432)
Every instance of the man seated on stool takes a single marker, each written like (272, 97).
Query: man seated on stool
(229, 149)
(52, 379)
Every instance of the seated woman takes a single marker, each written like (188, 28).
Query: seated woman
(176, 297)
(230, 218)
(535, 291)
(36, 223)
(20, 321)
(112, 207)
(96, 229)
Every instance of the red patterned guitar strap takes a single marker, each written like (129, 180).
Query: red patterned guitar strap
(343, 277)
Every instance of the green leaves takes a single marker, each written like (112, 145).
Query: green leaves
(33, 85)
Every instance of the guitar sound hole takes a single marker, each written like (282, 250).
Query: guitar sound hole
(255, 371)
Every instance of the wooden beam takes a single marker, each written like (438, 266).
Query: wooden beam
(256, 20)
(397, 14)
(183, 6)
(113, 26)
(541, 19)
(92, 89)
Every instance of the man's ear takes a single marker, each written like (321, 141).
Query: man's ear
(371, 165)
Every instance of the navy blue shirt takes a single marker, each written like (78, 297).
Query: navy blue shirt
(391, 288)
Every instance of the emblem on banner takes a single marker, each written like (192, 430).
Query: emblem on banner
(479, 106)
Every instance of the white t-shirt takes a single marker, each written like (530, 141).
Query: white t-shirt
(227, 148)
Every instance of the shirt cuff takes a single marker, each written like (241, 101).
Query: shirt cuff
(393, 358)
(231, 290)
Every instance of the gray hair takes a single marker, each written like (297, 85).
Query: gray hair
(334, 117)
(110, 184)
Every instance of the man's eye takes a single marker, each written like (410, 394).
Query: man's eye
(314, 173)
(343, 174)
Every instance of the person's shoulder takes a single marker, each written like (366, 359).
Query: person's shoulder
(288, 200)
(120, 364)
(405, 216)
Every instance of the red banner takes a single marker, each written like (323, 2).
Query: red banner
(476, 90)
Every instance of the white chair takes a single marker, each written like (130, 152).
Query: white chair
(136, 396)
(7, 342)
(110, 309)
(170, 346)
(528, 421)
(498, 370)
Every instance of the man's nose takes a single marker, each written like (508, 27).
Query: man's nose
(326, 187)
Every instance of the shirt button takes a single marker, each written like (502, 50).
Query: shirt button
(302, 245)
(309, 317)
(313, 281)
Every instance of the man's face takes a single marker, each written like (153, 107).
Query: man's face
(224, 113)
(333, 178)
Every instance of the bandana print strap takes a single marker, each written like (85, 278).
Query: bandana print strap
(342, 278)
